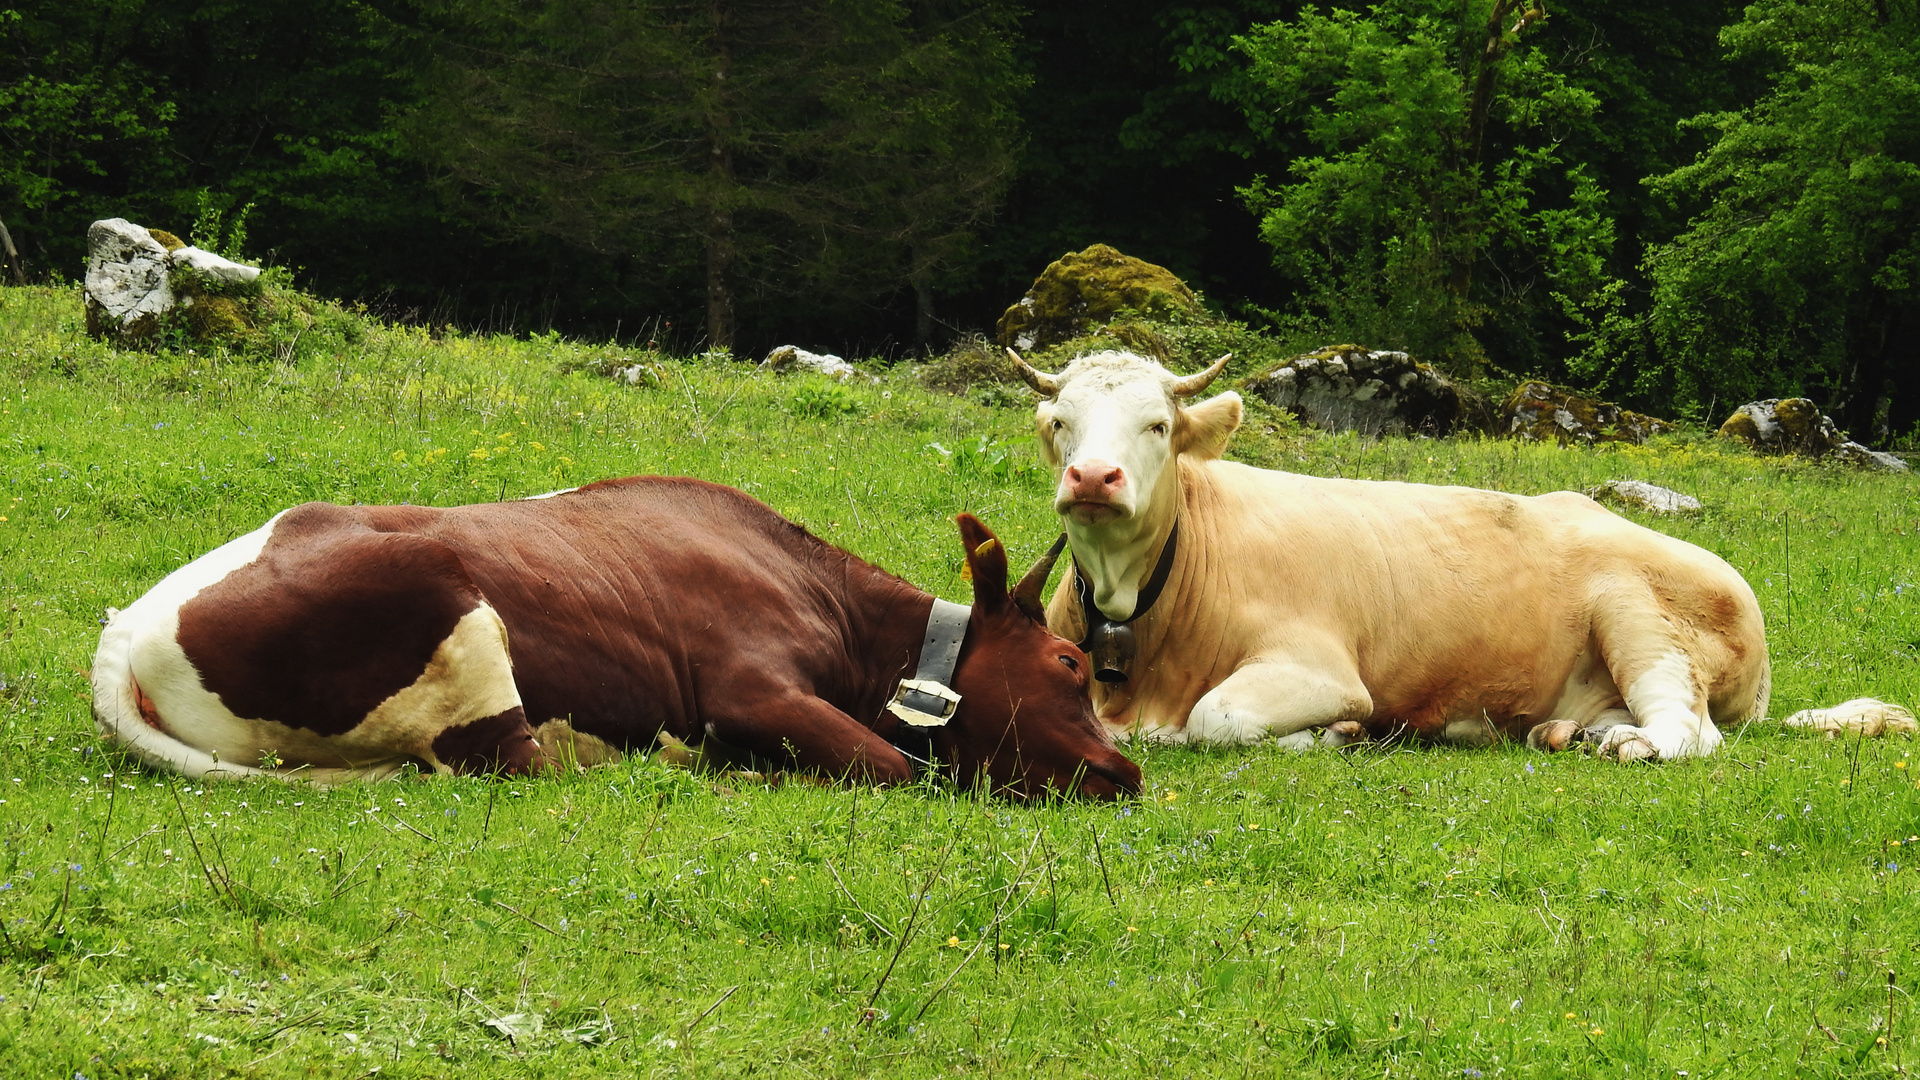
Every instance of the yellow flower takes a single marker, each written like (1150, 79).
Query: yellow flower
(479, 453)
(1253, 825)
(953, 943)
(1133, 929)
(1599, 1031)
(1172, 795)
(1899, 764)
(1004, 945)
(1209, 881)
(764, 881)
(400, 456)
(537, 446)
(1570, 1016)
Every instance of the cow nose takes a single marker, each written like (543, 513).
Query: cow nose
(1094, 481)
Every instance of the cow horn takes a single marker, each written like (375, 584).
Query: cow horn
(1044, 384)
(1027, 594)
(1189, 385)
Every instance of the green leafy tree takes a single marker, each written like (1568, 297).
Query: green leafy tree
(839, 149)
(1434, 207)
(1801, 273)
(75, 106)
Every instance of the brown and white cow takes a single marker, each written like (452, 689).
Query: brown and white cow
(339, 642)
(1288, 605)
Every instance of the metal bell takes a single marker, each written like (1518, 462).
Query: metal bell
(1111, 648)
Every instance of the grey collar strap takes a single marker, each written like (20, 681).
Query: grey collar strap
(927, 700)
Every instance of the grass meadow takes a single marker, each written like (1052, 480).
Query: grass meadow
(1409, 912)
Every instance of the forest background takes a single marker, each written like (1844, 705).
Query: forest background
(1681, 205)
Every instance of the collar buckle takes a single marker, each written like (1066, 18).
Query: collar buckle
(924, 703)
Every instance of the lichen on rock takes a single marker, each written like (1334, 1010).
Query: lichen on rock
(1084, 289)
(1370, 391)
(1797, 426)
(1540, 412)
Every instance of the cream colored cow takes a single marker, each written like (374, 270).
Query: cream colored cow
(1313, 609)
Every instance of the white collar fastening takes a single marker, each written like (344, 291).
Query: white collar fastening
(927, 700)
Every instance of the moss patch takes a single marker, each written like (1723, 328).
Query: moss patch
(1085, 288)
(167, 240)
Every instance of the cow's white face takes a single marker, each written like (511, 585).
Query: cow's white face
(1111, 433)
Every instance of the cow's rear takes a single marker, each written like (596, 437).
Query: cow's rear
(314, 645)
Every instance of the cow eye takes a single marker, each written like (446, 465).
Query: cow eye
(1159, 429)
(1072, 664)
(1057, 424)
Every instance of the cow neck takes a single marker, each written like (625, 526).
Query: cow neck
(1116, 568)
(1144, 599)
(887, 626)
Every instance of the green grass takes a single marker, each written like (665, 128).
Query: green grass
(1416, 913)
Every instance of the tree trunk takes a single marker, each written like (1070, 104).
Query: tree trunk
(14, 268)
(1902, 369)
(719, 280)
(719, 230)
(1484, 70)
(922, 300)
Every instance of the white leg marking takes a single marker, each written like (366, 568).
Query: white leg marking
(1661, 701)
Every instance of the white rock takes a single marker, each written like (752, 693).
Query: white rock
(1647, 496)
(792, 356)
(1867, 717)
(126, 275)
(211, 265)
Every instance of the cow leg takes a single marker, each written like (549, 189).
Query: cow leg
(798, 727)
(1665, 692)
(1280, 697)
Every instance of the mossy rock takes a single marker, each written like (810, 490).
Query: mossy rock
(1086, 288)
(1540, 412)
(1797, 426)
(1372, 391)
(1783, 425)
(167, 240)
(215, 312)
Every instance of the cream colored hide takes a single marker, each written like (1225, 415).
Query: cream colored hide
(1298, 604)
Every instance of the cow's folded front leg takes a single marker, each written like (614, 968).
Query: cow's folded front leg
(1279, 697)
(797, 728)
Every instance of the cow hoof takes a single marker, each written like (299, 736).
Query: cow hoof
(1345, 733)
(1631, 748)
(1554, 735)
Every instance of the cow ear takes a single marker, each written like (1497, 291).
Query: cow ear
(1202, 430)
(986, 563)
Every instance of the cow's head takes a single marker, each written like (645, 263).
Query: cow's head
(1112, 424)
(1025, 725)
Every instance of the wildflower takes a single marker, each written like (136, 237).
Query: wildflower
(1209, 881)
(1570, 1016)
(764, 881)
(1172, 795)
(1899, 764)
(1253, 825)
(953, 943)
(1133, 929)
